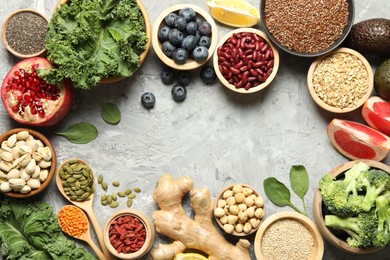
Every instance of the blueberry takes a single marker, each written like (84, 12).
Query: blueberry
(189, 43)
(198, 20)
(170, 19)
(175, 37)
(197, 36)
(191, 28)
(163, 33)
(168, 48)
(188, 13)
(207, 74)
(148, 100)
(179, 93)
(180, 23)
(167, 76)
(204, 41)
(184, 78)
(200, 53)
(205, 28)
(180, 56)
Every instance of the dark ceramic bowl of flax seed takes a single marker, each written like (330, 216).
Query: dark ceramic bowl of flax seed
(307, 28)
(24, 32)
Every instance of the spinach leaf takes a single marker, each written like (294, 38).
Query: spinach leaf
(299, 181)
(278, 193)
(80, 133)
(110, 113)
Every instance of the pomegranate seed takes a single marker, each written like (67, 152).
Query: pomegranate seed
(17, 73)
(15, 108)
(41, 113)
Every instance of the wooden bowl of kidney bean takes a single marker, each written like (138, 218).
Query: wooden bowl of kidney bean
(128, 234)
(246, 61)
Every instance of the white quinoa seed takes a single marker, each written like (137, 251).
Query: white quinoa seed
(287, 239)
(340, 80)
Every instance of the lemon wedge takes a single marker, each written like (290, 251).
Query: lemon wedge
(189, 256)
(236, 13)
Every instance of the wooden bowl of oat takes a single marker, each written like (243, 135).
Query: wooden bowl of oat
(340, 81)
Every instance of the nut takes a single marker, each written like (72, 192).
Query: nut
(221, 203)
(227, 194)
(229, 228)
(34, 183)
(5, 187)
(219, 212)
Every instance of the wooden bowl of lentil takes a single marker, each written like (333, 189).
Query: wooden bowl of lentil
(138, 224)
(244, 215)
(259, 66)
(24, 32)
(50, 170)
(288, 235)
(307, 28)
(148, 28)
(319, 208)
(340, 81)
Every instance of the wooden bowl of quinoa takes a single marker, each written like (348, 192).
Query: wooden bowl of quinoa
(340, 81)
(288, 235)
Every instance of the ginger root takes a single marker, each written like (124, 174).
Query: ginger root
(198, 233)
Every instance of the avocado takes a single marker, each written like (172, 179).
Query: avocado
(371, 37)
(382, 79)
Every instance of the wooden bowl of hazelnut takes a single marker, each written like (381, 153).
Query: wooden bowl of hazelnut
(239, 209)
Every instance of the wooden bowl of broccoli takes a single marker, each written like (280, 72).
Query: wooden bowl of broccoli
(351, 206)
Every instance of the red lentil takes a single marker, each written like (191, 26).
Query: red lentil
(245, 60)
(127, 234)
(306, 26)
(72, 221)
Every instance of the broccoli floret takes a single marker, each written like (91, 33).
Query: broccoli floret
(352, 176)
(382, 235)
(360, 229)
(375, 182)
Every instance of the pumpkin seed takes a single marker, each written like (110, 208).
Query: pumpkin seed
(73, 161)
(77, 176)
(116, 183)
(104, 202)
(85, 196)
(129, 203)
(86, 173)
(71, 180)
(128, 191)
(69, 170)
(114, 197)
(104, 185)
(136, 189)
(109, 199)
(121, 194)
(104, 197)
(62, 173)
(78, 185)
(79, 192)
(131, 196)
(65, 184)
(114, 204)
(73, 198)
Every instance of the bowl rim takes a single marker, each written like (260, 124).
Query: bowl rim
(142, 56)
(190, 64)
(320, 102)
(150, 233)
(351, 17)
(4, 37)
(52, 170)
(318, 246)
(219, 196)
(318, 216)
(262, 85)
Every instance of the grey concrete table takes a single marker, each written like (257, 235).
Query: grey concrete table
(215, 136)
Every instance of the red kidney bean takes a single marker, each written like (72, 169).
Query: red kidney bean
(245, 60)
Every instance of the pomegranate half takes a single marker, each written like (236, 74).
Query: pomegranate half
(29, 99)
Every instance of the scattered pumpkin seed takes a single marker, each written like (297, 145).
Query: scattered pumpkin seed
(104, 185)
(121, 194)
(131, 196)
(114, 197)
(136, 189)
(104, 202)
(114, 204)
(109, 199)
(129, 203)
(128, 191)
(116, 183)
(104, 197)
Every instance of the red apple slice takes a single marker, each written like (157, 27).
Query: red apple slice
(376, 112)
(357, 141)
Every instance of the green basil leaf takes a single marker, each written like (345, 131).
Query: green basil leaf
(110, 113)
(299, 180)
(80, 133)
(277, 192)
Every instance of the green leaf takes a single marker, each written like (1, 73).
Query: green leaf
(80, 133)
(110, 113)
(299, 180)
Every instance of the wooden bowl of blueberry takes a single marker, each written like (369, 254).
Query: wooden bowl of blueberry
(184, 37)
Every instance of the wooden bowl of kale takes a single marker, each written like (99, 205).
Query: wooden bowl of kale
(94, 42)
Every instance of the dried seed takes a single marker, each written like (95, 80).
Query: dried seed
(131, 196)
(128, 191)
(100, 179)
(136, 189)
(114, 204)
(116, 183)
(121, 194)
(129, 203)
(104, 185)
(114, 197)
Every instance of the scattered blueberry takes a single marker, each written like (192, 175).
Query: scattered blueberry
(188, 13)
(175, 37)
(204, 41)
(205, 28)
(167, 76)
(179, 93)
(198, 20)
(191, 28)
(163, 33)
(170, 19)
(180, 55)
(200, 53)
(168, 48)
(189, 43)
(180, 23)
(207, 74)
(184, 78)
(148, 100)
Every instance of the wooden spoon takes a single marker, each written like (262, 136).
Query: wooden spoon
(86, 236)
(87, 207)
